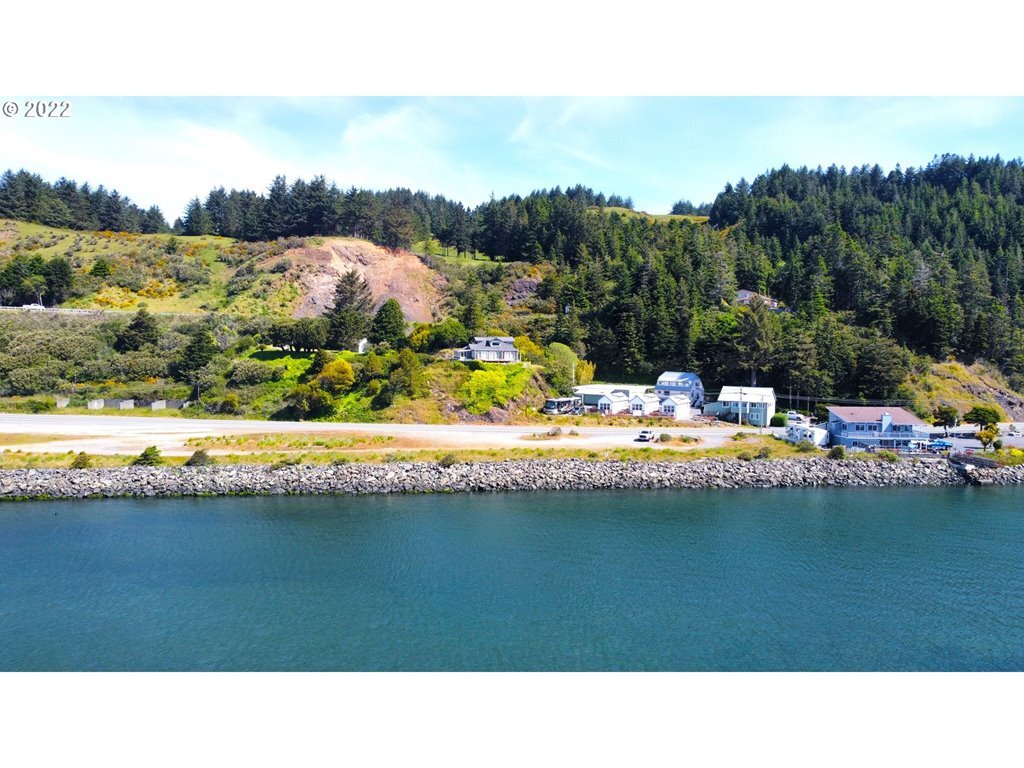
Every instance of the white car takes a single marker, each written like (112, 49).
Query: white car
(646, 436)
(795, 416)
(32, 306)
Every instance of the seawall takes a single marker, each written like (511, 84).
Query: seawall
(422, 477)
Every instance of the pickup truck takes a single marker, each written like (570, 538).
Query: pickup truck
(646, 436)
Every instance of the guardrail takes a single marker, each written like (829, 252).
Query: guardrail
(74, 311)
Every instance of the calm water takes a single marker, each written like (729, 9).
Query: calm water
(721, 580)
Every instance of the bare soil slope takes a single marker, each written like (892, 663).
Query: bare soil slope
(390, 274)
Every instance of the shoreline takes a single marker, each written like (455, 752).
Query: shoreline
(484, 477)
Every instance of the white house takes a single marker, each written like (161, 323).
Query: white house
(681, 383)
(591, 393)
(643, 405)
(745, 405)
(613, 402)
(490, 349)
(676, 406)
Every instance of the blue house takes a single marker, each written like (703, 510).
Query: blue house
(872, 427)
(681, 383)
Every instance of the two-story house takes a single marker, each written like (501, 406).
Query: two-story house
(873, 427)
(681, 384)
(744, 405)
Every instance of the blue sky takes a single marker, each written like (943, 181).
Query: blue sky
(165, 150)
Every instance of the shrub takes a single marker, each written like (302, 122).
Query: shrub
(805, 446)
(664, 437)
(780, 420)
(81, 461)
(309, 400)
(245, 373)
(888, 456)
(448, 460)
(837, 452)
(746, 456)
(554, 432)
(764, 453)
(230, 403)
(336, 377)
(374, 387)
(281, 265)
(741, 436)
(42, 406)
(149, 458)
(200, 459)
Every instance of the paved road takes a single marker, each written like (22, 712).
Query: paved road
(129, 434)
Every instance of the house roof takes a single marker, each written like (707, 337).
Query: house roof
(747, 394)
(647, 398)
(480, 343)
(616, 396)
(676, 400)
(682, 377)
(854, 413)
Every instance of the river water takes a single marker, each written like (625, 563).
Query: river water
(787, 579)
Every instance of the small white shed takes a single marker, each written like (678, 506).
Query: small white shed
(644, 405)
(677, 407)
(613, 402)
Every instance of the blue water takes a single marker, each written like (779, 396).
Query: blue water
(823, 579)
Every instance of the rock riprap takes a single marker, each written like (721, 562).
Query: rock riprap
(424, 477)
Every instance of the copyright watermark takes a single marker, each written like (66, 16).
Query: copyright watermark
(33, 109)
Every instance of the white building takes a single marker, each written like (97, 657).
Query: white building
(591, 393)
(490, 349)
(677, 407)
(362, 345)
(744, 405)
(613, 402)
(643, 405)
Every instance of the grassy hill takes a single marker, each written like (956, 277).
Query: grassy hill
(650, 216)
(962, 386)
(287, 278)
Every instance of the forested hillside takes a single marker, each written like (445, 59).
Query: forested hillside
(878, 273)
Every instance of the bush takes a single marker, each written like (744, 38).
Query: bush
(805, 446)
(746, 456)
(764, 453)
(448, 460)
(997, 444)
(42, 406)
(149, 458)
(336, 377)
(888, 456)
(374, 387)
(230, 404)
(741, 436)
(81, 461)
(837, 452)
(246, 373)
(555, 432)
(780, 420)
(664, 437)
(200, 459)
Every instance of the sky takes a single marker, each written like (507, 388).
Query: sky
(656, 150)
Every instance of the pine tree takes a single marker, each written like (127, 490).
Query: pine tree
(142, 331)
(349, 318)
(388, 325)
(197, 220)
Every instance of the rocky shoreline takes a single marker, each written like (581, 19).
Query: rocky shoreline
(424, 477)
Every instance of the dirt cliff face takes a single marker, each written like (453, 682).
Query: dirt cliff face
(390, 274)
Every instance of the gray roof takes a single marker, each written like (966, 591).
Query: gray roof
(501, 343)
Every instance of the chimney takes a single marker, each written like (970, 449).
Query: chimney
(886, 421)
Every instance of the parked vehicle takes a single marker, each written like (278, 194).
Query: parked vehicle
(646, 436)
(554, 406)
(795, 416)
(939, 445)
(32, 306)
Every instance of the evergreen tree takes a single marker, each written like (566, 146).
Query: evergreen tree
(197, 220)
(349, 318)
(142, 331)
(388, 325)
